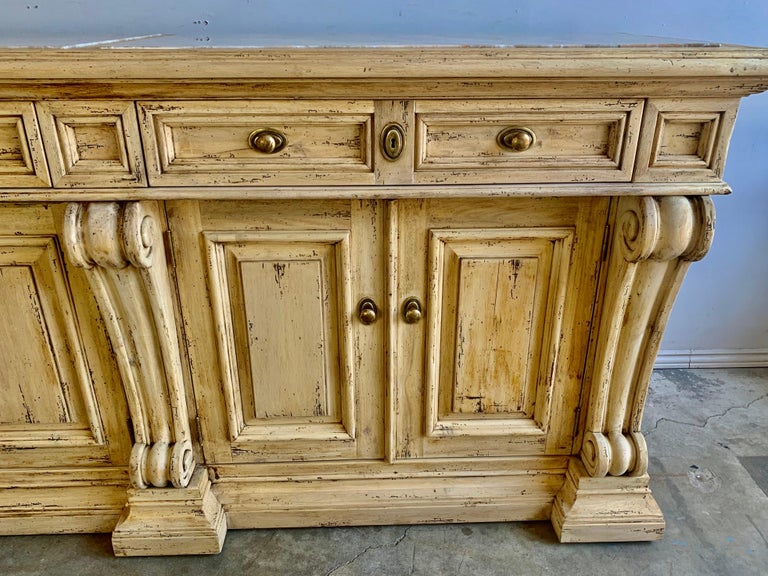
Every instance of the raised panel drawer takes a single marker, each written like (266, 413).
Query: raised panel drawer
(92, 144)
(22, 161)
(208, 143)
(572, 141)
(685, 140)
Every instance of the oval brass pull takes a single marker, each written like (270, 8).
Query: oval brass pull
(412, 310)
(367, 311)
(516, 139)
(267, 140)
(392, 141)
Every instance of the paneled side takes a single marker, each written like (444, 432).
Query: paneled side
(92, 144)
(48, 398)
(209, 142)
(22, 161)
(685, 140)
(283, 342)
(571, 140)
(498, 296)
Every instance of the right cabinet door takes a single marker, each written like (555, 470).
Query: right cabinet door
(506, 287)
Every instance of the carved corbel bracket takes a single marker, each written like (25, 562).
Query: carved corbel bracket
(606, 496)
(654, 241)
(120, 247)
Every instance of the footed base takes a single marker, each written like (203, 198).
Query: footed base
(609, 509)
(171, 521)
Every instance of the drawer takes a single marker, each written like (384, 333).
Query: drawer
(22, 161)
(685, 140)
(257, 142)
(547, 141)
(92, 144)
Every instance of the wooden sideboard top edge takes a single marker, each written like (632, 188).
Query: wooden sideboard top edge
(219, 64)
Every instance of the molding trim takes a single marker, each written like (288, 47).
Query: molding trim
(733, 358)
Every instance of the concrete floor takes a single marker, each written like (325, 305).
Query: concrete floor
(707, 433)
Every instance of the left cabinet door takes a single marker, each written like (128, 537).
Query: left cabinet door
(61, 401)
(282, 366)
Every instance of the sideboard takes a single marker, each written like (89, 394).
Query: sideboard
(247, 288)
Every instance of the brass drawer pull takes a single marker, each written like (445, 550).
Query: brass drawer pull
(367, 311)
(412, 310)
(516, 139)
(267, 140)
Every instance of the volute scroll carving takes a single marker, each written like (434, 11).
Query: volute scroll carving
(655, 241)
(119, 245)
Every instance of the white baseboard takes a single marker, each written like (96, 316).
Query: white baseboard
(712, 358)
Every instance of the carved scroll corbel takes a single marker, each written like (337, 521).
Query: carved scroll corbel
(121, 249)
(654, 241)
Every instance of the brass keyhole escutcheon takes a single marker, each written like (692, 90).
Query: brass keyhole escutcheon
(392, 141)
(412, 310)
(367, 311)
(267, 140)
(516, 139)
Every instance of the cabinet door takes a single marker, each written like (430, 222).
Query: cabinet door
(283, 369)
(61, 402)
(494, 366)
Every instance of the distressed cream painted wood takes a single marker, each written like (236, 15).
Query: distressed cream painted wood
(431, 291)
(22, 159)
(206, 141)
(92, 143)
(297, 374)
(575, 140)
(492, 370)
(689, 139)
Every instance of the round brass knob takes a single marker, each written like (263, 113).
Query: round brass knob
(367, 311)
(516, 139)
(267, 141)
(412, 310)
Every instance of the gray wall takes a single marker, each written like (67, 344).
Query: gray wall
(724, 302)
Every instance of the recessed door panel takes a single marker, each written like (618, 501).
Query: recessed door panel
(494, 367)
(495, 296)
(283, 369)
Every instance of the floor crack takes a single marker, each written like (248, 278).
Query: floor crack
(400, 538)
(694, 425)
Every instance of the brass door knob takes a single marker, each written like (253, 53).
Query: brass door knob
(367, 311)
(412, 310)
(516, 139)
(267, 140)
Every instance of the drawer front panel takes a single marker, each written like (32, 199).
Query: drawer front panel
(571, 141)
(685, 140)
(92, 144)
(207, 143)
(22, 162)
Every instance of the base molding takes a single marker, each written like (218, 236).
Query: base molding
(608, 509)
(449, 497)
(171, 521)
(733, 358)
(61, 500)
